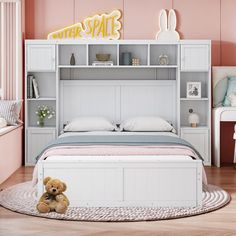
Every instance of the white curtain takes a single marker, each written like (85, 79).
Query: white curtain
(10, 49)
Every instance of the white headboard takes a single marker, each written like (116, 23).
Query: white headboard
(220, 72)
(117, 99)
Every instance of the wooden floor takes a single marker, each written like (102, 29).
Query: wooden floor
(218, 223)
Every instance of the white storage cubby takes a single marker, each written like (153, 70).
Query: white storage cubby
(188, 61)
(199, 106)
(79, 51)
(37, 139)
(171, 51)
(102, 49)
(202, 77)
(40, 57)
(200, 139)
(46, 84)
(137, 51)
(32, 106)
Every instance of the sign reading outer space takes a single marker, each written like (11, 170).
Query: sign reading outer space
(103, 26)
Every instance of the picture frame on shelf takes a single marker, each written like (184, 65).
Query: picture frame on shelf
(193, 90)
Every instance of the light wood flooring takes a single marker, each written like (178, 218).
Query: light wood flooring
(218, 223)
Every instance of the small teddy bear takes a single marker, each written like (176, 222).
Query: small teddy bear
(53, 199)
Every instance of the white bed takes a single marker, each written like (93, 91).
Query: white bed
(115, 181)
(112, 180)
(221, 114)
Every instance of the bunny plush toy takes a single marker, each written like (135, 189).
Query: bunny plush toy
(167, 30)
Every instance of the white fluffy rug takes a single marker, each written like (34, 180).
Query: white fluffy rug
(22, 198)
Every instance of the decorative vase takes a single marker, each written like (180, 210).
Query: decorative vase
(126, 58)
(40, 122)
(193, 118)
(72, 59)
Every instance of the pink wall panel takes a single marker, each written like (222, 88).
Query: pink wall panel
(200, 20)
(228, 32)
(93, 7)
(44, 16)
(141, 18)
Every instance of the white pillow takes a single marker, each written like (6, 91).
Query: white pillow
(10, 111)
(3, 122)
(147, 123)
(82, 124)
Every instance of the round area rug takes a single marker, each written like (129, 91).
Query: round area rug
(22, 198)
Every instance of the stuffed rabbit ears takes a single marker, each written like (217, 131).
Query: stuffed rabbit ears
(167, 27)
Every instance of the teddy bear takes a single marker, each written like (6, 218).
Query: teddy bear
(53, 199)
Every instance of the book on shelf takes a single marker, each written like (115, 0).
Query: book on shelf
(102, 63)
(32, 87)
(36, 88)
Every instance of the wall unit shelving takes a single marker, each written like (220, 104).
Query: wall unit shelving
(189, 61)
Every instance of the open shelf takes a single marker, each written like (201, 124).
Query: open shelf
(102, 48)
(46, 84)
(137, 51)
(79, 51)
(171, 51)
(32, 107)
(201, 107)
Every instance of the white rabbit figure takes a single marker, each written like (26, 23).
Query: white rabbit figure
(167, 33)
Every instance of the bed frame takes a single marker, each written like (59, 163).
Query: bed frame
(123, 181)
(126, 181)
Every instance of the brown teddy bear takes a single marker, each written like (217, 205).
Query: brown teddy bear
(53, 199)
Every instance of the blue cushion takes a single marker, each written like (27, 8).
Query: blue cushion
(230, 90)
(220, 92)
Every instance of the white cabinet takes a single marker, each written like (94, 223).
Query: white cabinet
(195, 57)
(37, 139)
(40, 57)
(199, 138)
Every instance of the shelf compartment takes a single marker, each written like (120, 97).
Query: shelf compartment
(46, 83)
(115, 73)
(170, 50)
(137, 51)
(201, 107)
(186, 77)
(80, 54)
(32, 107)
(102, 48)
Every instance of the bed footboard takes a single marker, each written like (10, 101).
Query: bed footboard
(115, 182)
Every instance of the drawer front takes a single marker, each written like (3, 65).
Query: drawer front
(200, 140)
(37, 140)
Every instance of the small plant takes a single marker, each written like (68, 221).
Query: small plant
(44, 112)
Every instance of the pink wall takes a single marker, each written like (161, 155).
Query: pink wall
(201, 19)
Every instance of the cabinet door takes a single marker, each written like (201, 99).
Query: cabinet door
(41, 57)
(194, 57)
(199, 138)
(37, 140)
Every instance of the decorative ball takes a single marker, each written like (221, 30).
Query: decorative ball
(193, 118)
